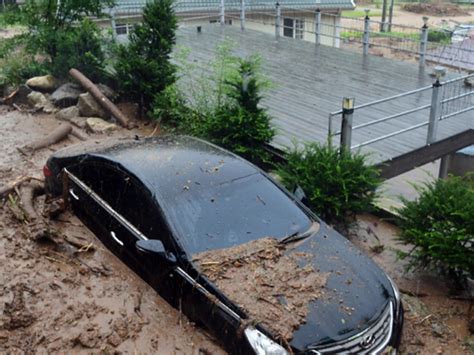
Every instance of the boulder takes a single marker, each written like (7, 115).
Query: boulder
(39, 101)
(66, 95)
(19, 96)
(66, 114)
(98, 125)
(107, 91)
(45, 83)
(88, 107)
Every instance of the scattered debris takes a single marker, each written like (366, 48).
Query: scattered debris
(98, 125)
(100, 97)
(264, 278)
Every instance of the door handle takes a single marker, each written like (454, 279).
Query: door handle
(116, 239)
(73, 194)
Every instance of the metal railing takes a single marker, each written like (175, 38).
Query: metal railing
(446, 99)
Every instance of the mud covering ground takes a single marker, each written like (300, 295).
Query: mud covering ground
(73, 295)
(436, 316)
(266, 282)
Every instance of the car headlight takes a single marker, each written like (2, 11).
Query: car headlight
(263, 345)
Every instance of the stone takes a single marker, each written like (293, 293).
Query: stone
(66, 95)
(39, 101)
(88, 107)
(437, 330)
(98, 125)
(45, 83)
(107, 91)
(20, 97)
(66, 114)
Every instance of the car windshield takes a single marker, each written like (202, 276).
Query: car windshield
(233, 213)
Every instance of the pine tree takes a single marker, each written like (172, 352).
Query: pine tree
(143, 67)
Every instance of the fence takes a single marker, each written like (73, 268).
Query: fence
(440, 101)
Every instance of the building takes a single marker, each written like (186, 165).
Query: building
(297, 19)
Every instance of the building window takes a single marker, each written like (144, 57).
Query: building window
(293, 28)
(226, 21)
(121, 29)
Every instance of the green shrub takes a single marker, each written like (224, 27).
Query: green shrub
(440, 226)
(79, 47)
(439, 36)
(143, 67)
(337, 184)
(19, 66)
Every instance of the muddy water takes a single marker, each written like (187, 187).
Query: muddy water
(54, 297)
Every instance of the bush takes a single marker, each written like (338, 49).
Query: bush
(18, 66)
(440, 226)
(143, 66)
(439, 36)
(337, 184)
(240, 124)
(79, 47)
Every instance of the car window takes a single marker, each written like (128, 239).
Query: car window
(125, 195)
(233, 213)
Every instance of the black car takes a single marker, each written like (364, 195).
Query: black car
(158, 202)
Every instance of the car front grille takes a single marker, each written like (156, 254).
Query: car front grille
(372, 340)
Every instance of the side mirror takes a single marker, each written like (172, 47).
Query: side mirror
(155, 247)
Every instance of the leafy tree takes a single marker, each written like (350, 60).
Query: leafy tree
(338, 184)
(61, 30)
(143, 66)
(440, 226)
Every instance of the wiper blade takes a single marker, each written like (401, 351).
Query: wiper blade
(298, 236)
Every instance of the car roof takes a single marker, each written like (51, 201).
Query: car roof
(167, 164)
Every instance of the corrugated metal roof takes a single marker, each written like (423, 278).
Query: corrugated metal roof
(184, 6)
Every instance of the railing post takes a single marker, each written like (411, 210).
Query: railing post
(317, 23)
(424, 41)
(222, 13)
(337, 31)
(435, 107)
(113, 23)
(346, 125)
(242, 15)
(366, 41)
(277, 20)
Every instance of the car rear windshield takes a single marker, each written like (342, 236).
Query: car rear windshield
(234, 213)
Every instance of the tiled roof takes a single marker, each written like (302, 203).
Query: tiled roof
(183, 6)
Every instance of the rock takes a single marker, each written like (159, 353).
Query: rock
(19, 97)
(98, 125)
(107, 91)
(88, 107)
(42, 83)
(437, 330)
(39, 101)
(66, 114)
(66, 95)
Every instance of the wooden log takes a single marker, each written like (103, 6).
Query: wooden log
(78, 134)
(8, 188)
(100, 97)
(28, 192)
(55, 136)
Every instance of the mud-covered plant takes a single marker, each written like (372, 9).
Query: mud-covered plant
(337, 184)
(440, 226)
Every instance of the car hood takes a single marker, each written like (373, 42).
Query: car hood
(357, 290)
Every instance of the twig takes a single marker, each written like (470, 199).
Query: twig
(425, 318)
